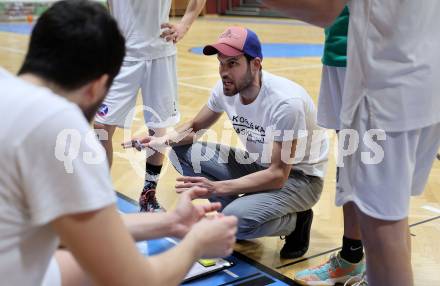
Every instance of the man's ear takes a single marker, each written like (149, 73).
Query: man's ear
(256, 63)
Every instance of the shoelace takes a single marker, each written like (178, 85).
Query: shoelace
(148, 197)
(334, 261)
(153, 201)
(361, 282)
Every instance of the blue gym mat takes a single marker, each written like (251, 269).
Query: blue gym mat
(244, 272)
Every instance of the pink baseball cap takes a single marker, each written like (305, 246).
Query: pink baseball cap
(236, 41)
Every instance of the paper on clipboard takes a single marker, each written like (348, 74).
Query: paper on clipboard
(198, 270)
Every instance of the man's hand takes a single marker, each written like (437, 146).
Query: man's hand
(187, 214)
(146, 142)
(173, 32)
(185, 183)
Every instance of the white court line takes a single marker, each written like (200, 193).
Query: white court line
(216, 75)
(296, 68)
(230, 273)
(12, 50)
(303, 67)
(195, 86)
(432, 209)
(193, 77)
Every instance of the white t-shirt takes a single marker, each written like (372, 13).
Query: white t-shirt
(282, 111)
(35, 187)
(139, 21)
(394, 63)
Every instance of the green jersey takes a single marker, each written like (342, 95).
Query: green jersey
(335, 49)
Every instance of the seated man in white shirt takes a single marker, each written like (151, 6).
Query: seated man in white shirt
(75, 51)
(273, 184)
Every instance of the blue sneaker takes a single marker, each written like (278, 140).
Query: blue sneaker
(335, 270)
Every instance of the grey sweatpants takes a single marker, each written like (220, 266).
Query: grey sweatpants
(266, 213)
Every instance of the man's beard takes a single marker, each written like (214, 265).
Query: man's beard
(241, 84)
(90, 112)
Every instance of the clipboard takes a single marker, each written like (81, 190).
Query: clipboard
(199, 271)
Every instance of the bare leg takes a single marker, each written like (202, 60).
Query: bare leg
(351, 224)
(105, 135)
(409, 244)
(153, 166)
(158, 157)
(388, 251)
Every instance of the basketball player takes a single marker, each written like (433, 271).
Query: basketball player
(75, 51)
(149, 65)
(391, 88)
(270, 195)
(349, 263)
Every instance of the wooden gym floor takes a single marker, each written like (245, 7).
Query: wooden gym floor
(197, 74)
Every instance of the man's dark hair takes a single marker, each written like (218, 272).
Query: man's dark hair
(73, 43)
(248, 58)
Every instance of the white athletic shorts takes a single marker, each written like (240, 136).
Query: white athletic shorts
(157, 80)
(330, 97)
(53, 274)
(383, 190)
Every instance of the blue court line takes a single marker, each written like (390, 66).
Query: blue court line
(249, 272)
(270, 50)
(283, 50)
(18, 28)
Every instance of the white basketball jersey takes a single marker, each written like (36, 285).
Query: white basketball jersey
(140, 21)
